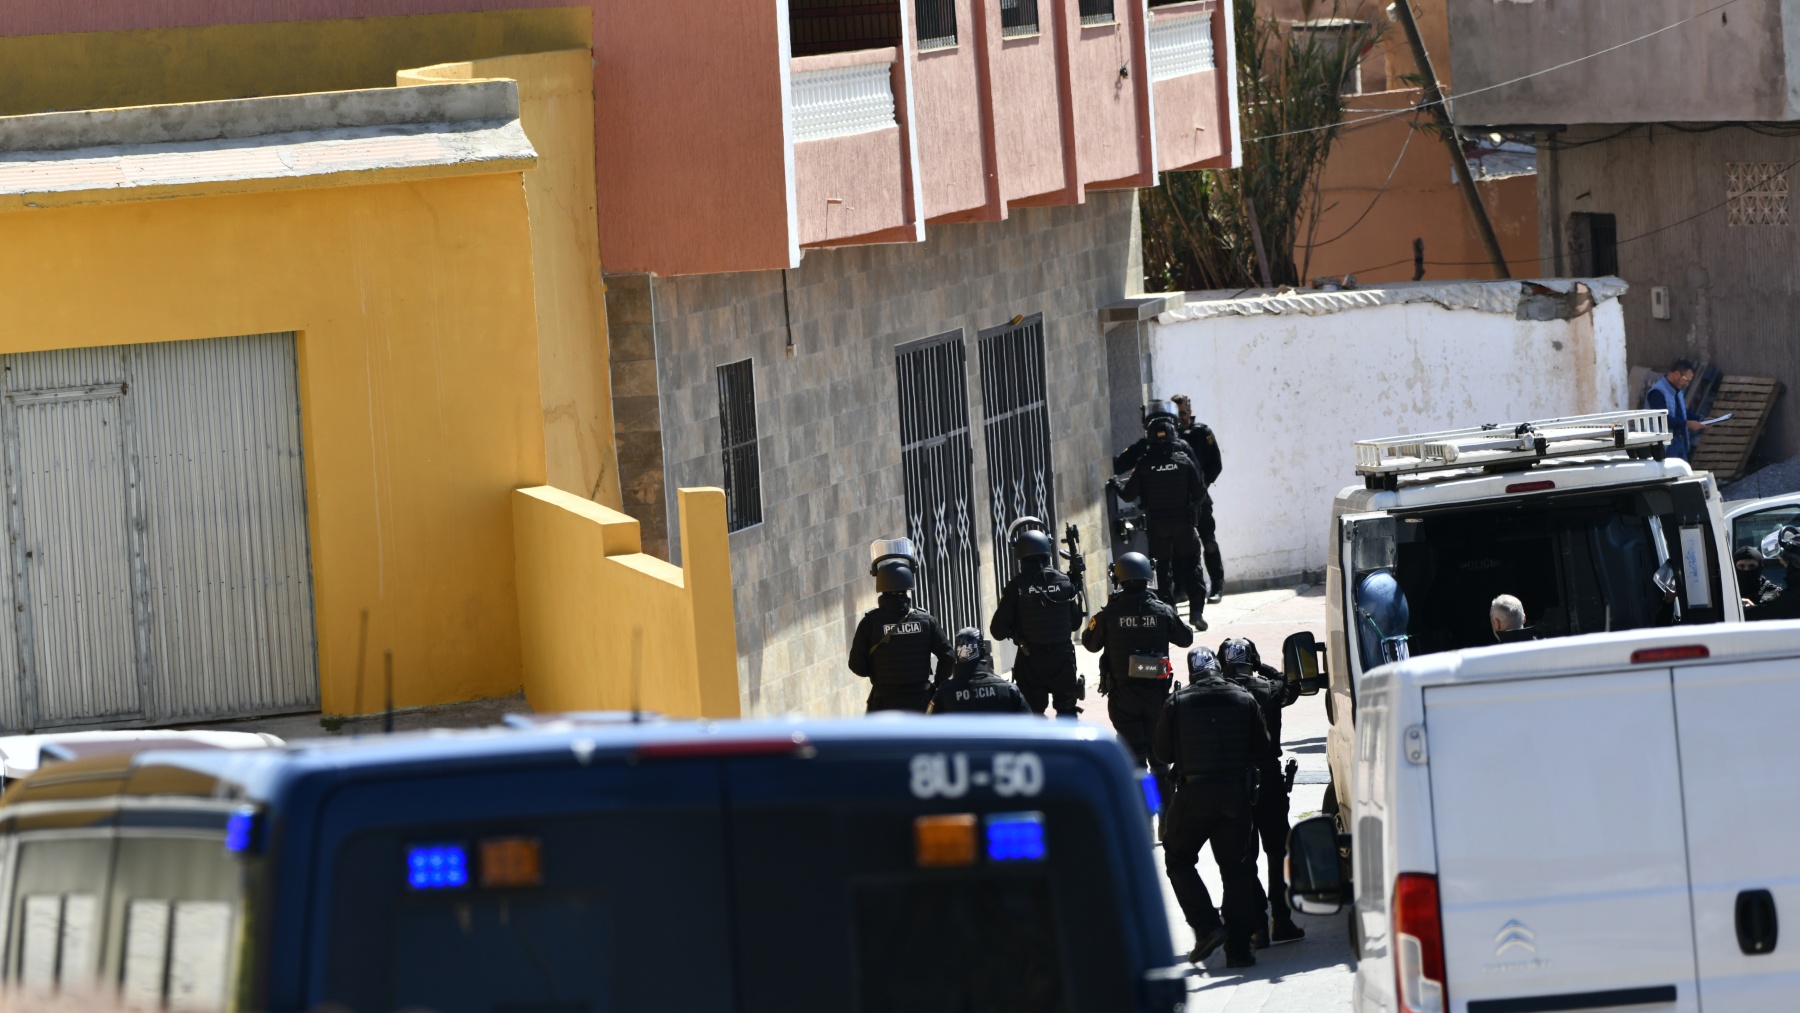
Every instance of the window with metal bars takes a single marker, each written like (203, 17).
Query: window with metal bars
(737, 440)
(1018, 17)
(1096, 12)
(937, 23)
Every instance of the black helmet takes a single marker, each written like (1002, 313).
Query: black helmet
(893, 575)
(1202, 662)
(1239, 651)
(1160, 430)
(1028, 543)
(969, 645)
(1158, 409)
(1132, 568)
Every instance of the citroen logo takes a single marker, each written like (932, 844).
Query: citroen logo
(1515, 934)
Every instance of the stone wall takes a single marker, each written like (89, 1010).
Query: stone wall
(827, 412)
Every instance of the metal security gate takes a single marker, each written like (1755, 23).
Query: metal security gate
(1016, 429)
(938, 463)
(156, 516)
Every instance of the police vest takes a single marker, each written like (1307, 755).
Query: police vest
(1165, 490)
(1044, 600)
(1269, 699)
(902, 646)
(984, 694)
(1137, 625)
(1211, 733)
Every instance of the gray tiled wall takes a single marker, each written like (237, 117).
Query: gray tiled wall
(828, 418)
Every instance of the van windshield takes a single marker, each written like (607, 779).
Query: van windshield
(1579, 563)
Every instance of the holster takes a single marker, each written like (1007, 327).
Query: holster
(1253, 785)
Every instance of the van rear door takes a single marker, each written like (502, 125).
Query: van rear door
(1562, 871)
(1738, 758)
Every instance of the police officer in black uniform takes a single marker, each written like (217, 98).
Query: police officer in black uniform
(1205, 446)
(1212, 734)
(1125, 460)
(1038, 611)
(1135, 630)
(1243, 666)
(895, 641)
(1169, 488)
(973, 688)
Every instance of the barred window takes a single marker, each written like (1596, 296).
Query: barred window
(1096, 12)
(1018, 17)
(1756, 193)
(937, 23)
(737, 439)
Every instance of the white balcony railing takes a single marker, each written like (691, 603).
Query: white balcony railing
(843, 101)
(1180, 45)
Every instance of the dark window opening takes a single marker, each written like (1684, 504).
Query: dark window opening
(1097, 12)
(1593, 245)
(1018, 17)
(833, 26)
(937, 23)
(737, 439)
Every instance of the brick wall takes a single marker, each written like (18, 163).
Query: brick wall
(828, 417)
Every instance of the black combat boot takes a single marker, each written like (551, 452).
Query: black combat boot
(1205, 943)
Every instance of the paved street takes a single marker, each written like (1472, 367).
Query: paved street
(1315, 973)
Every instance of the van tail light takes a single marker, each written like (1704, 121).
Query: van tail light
(1661, 655)
(1419, 930)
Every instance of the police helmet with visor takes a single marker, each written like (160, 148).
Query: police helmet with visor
(1203, 664)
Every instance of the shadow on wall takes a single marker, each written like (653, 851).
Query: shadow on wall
(603, 626)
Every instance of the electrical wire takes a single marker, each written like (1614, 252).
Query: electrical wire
(1414, 126)
(1503, 84)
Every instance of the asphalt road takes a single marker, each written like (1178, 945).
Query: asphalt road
(1313, 975)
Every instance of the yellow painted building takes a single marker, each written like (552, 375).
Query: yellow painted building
(381, 264)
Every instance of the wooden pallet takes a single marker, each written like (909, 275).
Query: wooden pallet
(1724, 449)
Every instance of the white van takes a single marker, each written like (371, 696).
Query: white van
(1581, 518)
(1600, 822)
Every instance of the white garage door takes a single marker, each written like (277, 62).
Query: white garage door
(156, 517)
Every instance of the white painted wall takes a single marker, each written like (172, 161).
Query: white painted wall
(1287, 394)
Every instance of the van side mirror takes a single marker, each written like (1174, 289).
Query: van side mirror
(1300, 656)
(1316, 881)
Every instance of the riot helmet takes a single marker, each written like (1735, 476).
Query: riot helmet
(968, 644)
(894, 576)
(1239, 651)
(1132, 568)
(1161, 431)
(1203, 664)
(882, 549)
(1032, 545)
(1158, 409)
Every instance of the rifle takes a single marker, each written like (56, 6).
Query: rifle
(1077, 563)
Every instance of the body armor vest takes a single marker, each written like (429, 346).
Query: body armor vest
(1268, 694)
(1137, 623)
(1045, 601)
(1210, 728)
(902, 649)
(986, 693)
(1165, 485)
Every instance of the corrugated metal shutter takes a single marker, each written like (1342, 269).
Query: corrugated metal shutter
(158, 512)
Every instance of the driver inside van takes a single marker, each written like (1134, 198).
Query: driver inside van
(1507, 618)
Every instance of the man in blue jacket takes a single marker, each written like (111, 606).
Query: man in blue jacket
(1666, 394)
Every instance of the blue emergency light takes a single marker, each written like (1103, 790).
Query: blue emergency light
(1015, 837)
(241, 830)
(1152, 794)
(437, 867)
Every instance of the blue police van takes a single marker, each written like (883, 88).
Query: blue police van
(992, 864)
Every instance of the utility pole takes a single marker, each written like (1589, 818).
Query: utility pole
(1433, 100)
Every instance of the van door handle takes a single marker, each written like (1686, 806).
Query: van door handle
(1756, 923)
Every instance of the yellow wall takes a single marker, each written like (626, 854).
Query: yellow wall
(94, 70)
(606, 627)
(418, 384)
(556, 108)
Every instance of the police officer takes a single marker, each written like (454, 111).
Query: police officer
(895, 641)
(1038, 611)
(1212, 734)
(1784, 544)
(1135, 630)
(973, 688)
(1125, 460)
(1169, 488)
(1243, 666)
(1200, 439)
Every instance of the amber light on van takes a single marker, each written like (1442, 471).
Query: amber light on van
(1660, 655)
(944, 841)
(1419, 930)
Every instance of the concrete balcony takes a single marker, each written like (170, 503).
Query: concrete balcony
(1191, 63)
(855, 178)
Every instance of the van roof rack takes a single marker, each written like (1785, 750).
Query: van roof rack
(1513, 446)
